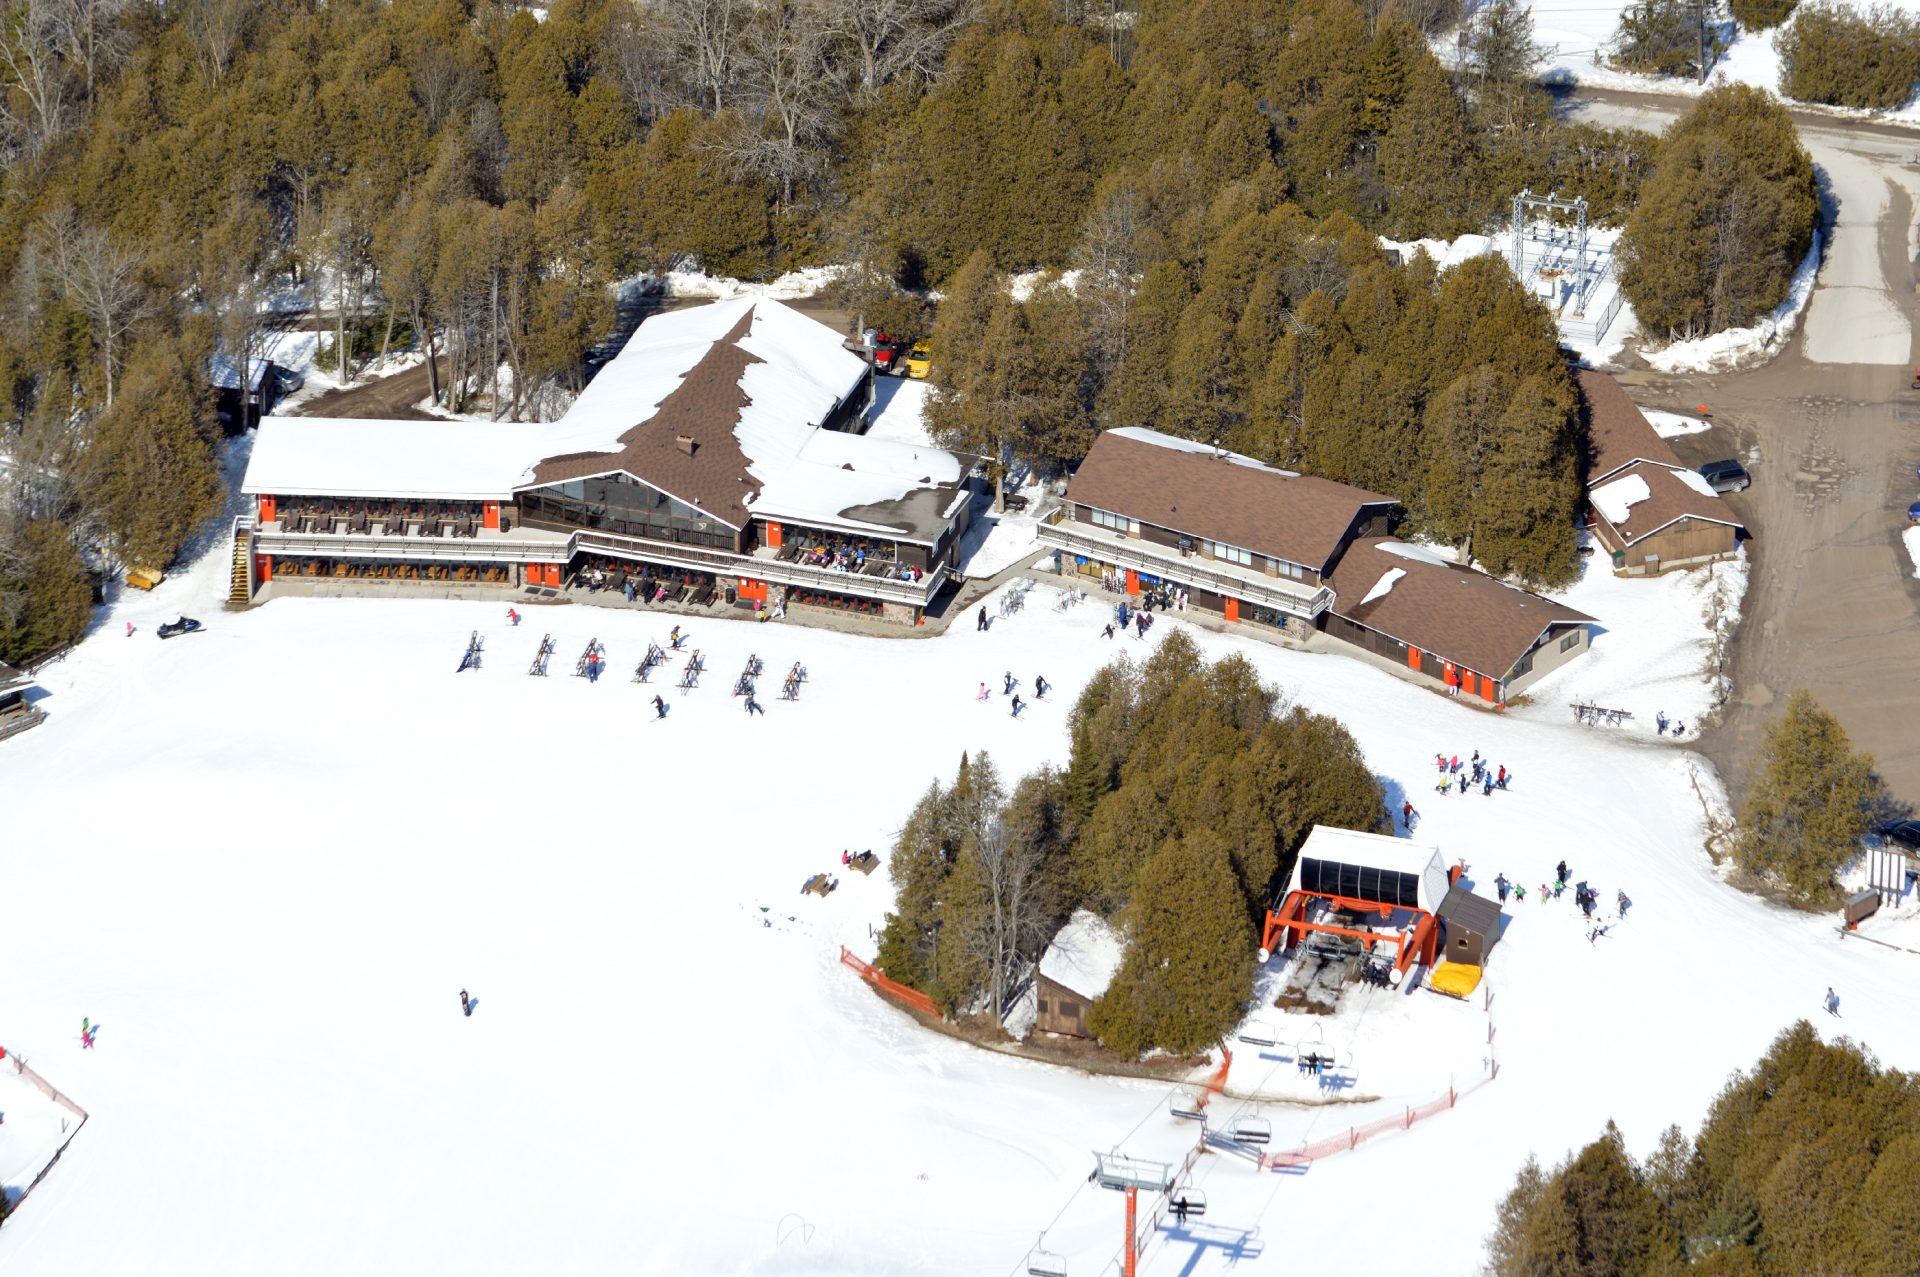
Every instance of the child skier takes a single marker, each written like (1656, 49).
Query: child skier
(513, 617)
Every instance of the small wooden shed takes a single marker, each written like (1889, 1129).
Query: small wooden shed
(1075, 970)
(1470, 926)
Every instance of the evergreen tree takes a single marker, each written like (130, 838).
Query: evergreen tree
(1811, 803)
(1188, 969)
(1762, 15)
(153, 478)
(45, 599)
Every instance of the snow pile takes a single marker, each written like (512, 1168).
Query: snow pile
(1419, 553)
(1734, 347)
(1616, 498)
(1658, 646)
(1912, 538)
(1671, 425)
(1085, 955)
(996, 542)
(1021, 287)
(1383, 586)
(693, 282)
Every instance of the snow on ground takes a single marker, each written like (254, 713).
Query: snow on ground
(293, 839)
(1671, 425)
(693, 282)
(1912, 538)
(1732, 347)
(1653, 650)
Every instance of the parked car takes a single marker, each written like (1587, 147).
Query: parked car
(886, 355)
(1726, 476)
(1904, 834)
(920, 360)
(1913, 513)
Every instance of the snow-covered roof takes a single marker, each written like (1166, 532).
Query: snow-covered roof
(1378, 852)
(720, 406)
(1615, 498)
(223, 373)
(1141, 434)
(1416, 553)
(364, 457)
(1085, 955)
(1695, 480)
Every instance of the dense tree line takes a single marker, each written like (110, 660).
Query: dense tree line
(1725, 217)
(1843, 56)
(1806, 1164)
(1671, 37)
(1189, 788)
(468, 177)
(1298, 343)
(1814, 798)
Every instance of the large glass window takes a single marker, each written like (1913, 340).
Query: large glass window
(1118, 522)
(621, 504)
(1230, 553)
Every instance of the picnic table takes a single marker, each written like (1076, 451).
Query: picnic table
(866, 862)
(820, 884)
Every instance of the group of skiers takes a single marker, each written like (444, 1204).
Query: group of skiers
(1585, 896)
(1475, 771)
(1008, 686)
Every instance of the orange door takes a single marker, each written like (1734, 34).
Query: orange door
(1233, 605)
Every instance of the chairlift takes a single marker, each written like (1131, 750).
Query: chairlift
(1187, 1203)
(1044, 1263)
(1259, 1033)
(1191, 1105)
(1252, 1130)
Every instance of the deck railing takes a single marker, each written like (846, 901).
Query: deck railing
(1302, 600)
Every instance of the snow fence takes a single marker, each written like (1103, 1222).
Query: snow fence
(53, 1093)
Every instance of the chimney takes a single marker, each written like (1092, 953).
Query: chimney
(685, 443)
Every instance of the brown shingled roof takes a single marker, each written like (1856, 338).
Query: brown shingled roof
(1458, 614)
(1618, 434)
(1298, 518)
(1670, 497)
(704, 408)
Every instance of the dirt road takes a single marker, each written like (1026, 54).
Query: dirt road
(1833, 605)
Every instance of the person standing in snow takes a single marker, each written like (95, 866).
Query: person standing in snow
(1833, 1004)
(659, 707)
(513, 617)
(1463, 782)
(129, 629)
(1406, 815)
(1040, 686)
(1660, 722)
(1520, 894)
(1108, 632)
(983, 693)
(1502, 885)
(1487, 777)
(1560, 871)
(980, 623)
(1621, 901)
(1006, 683)
(1017, 704)
(466, 1003)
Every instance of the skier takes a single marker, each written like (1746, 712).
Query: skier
(466, 1003)
(1040, 686)
(659, 707)
(1833, 1004)
(1560, 870)
(1108, 632)
(1463, 782)
(981, 622)
(1520, 894)
(1620, 900)
(1502, 885)
(1006, 683)
(129, 629)
(1406, 815)
(1018, 704)
(1660, 722)
(1440, 761)
(674, 638)
(1500, 781)
(1487, 777)
(983, 693)
(513, 617)
(754, 707)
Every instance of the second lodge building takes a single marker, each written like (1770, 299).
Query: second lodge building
(1289, 552)
(718, 455)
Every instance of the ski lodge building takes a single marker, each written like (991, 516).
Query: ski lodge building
(1649, 511)
(719, 455)
(1292, 553)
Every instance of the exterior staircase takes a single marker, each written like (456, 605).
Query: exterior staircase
(240, 592)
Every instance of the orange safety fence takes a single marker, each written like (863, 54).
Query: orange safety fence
(1354, 1136)
(892, 988)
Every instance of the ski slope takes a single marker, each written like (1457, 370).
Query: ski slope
(266, 859)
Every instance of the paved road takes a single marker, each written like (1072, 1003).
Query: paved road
(1833, 605)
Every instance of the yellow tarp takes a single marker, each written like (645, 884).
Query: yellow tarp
(1457, 978)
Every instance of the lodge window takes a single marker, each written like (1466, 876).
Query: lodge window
(1231, 553)
(1118, 522)
(1570, 642)
(625, 506)
(1069, 1009)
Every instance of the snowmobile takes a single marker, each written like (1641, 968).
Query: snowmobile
(185, 625)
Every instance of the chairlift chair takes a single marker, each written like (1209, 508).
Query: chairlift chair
(1044, 1263)
(1259, 1033)
(1188, 1203)
(1252, 1129)
(1191, 1105)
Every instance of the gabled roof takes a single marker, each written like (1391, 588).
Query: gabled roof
(1618, 434)
(1085, 955)
(1671, 495)
(364, 457)
(1456, 613)
(1178, 484)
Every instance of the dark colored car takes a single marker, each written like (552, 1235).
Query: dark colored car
(1904, 834)
(1913, 513)
(1726, 476)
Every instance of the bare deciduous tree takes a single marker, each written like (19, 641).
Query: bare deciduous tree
(91, 35)
(792, 91)
(101, 278)
(36, 87)
(1009, 927)
(706, 36)
(894, 38)
(216, 29)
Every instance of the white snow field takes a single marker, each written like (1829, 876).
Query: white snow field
(267, 858)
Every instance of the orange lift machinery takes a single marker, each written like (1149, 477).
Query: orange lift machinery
(1350, 871)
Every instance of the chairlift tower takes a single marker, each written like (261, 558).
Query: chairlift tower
(1525, 205)
(1129, 1175)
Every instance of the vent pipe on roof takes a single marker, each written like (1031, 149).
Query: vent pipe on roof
(685, 443)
